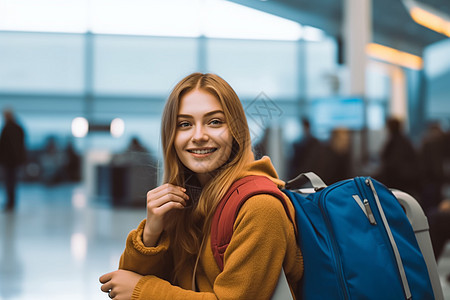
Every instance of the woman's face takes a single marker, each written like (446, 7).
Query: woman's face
(203, 140)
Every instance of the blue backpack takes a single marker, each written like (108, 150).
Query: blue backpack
(356, 240)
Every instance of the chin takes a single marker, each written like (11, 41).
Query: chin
(206, 169)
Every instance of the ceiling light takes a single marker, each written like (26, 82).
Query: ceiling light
(394, 56)
(80, 127)
(428, 17)
(117, 127)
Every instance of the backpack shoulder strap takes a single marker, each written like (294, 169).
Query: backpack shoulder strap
(228, 209)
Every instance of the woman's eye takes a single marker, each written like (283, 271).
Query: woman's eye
(216, 122)
(183, 124)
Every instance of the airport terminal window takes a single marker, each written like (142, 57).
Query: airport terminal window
(142, 117)
(378, 91)
(255, 66)
(40, 126)
(125, 65)
(437, 71)
(378, 81)
(320, 68)
(132, 74)
(41, 63)
(376, 115)
(44, 15)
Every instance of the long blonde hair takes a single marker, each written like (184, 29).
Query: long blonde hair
(193, 224)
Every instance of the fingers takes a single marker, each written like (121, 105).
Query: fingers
(167, 189)
(119, 284)
(166, 193)
(160, 201)
(107, 283)
(106, 287)
(106, 277)
(167, 201)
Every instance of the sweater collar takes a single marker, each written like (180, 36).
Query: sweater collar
(264, 167)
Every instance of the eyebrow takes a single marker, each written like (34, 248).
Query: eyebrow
(206, 115)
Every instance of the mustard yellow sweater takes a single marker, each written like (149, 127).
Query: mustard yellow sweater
(263, 240)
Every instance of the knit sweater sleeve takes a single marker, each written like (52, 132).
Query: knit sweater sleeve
(154, 288)
(252, 261)
(146, 260)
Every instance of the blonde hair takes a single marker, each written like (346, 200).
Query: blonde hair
(193, 224)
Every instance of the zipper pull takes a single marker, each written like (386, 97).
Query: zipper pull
(385, 223)
(368, 182)
(369, 212)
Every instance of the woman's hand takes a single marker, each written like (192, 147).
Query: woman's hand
(119, 284)
(161, 200)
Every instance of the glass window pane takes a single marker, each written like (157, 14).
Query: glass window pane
(378, 81)
(146, 17)
(320, 68)
(36, 62)
(44, 15)
(141, 65)
(252, 67)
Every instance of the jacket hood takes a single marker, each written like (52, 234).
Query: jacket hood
(264, 167)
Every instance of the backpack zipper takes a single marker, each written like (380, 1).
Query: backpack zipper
(337, 259)
(365, 207)
(398, 259)
(369, 212)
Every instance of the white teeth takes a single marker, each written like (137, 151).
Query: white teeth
(206, 151)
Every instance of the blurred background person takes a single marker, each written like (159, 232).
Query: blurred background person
(12, 154)
(261, 147)
(52, 160)
(431, 162)
(398, 160)
(72, 163)
(133, 172)
(306, 153)
(335, 159)
(135, 154)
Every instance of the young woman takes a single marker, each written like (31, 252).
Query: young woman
(206, 146)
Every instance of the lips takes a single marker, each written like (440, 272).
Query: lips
(202, 151)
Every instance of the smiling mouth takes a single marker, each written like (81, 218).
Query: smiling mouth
(202, 151)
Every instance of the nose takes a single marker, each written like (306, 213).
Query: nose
(200, 135)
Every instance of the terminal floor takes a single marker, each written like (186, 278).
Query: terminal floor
(57, 243)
